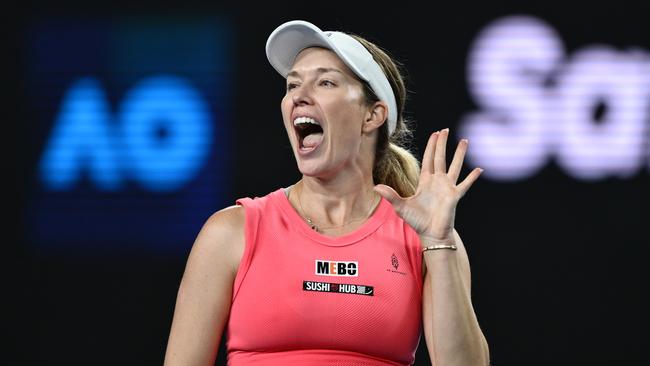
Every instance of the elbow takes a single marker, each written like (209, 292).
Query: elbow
(474, 354)
(485, 361)
(480, 355)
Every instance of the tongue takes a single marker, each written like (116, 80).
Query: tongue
(312, 140)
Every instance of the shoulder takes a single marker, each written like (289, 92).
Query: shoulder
(261, 202)
(222, 237)
(226, 221)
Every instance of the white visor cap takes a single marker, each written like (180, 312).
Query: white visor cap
(287, 40)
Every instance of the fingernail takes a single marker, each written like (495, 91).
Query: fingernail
(480, 170)
(446, 129)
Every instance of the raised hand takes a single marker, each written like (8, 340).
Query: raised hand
(432, 209)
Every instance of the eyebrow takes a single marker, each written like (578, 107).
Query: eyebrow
(320, 70)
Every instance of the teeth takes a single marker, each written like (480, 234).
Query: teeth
(301, 120)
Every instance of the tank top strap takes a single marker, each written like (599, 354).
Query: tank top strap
(253, 210)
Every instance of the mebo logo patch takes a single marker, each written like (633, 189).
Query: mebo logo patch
(337, 268)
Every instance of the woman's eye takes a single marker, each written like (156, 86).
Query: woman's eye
(291, 86)
(326, 83)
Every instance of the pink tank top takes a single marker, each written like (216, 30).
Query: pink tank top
(302, 298)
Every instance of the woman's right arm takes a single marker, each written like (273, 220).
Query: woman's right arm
(204, 296)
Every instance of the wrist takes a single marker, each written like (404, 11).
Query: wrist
(433, 240)
(432, 244)
(440, 247)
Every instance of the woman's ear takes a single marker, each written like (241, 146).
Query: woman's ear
(375, 117)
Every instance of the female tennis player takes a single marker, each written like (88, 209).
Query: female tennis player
(352, 263)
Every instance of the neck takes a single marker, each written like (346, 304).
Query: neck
(344, 203)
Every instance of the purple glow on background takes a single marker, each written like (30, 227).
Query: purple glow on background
(524, 120)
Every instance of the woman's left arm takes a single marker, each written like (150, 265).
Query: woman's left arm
(451, 329)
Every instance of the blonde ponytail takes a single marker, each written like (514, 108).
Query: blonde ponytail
(395, 166)
(400, 170)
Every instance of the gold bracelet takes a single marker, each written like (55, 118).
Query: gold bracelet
(436, 247)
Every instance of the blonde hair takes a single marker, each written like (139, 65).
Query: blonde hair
(395, 165)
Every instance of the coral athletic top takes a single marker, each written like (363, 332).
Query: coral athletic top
(303, 298)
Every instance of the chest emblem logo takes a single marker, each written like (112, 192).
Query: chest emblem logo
(394, 261)
(336, 268)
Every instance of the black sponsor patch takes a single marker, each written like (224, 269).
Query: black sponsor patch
(337, 268)
(341, 288)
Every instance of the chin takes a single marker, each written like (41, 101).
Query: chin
(308, 169)
(312, 169)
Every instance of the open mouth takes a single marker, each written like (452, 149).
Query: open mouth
(309, 132)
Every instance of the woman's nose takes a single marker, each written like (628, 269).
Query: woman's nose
(301, 96)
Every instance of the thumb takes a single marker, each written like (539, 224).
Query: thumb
(389, 194)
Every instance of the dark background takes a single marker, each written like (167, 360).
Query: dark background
(559, 265)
